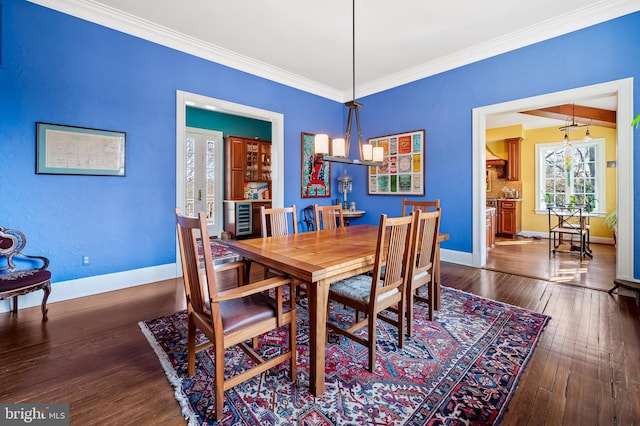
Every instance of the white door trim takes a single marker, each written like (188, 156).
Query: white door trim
(624, 90)
(184, 99)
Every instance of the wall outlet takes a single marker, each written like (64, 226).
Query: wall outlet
(85, 260)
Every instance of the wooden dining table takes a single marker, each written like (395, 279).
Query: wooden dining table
(317, 258)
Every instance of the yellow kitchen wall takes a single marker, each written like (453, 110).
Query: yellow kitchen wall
(502, 133)
(496, 138)
(539, 223)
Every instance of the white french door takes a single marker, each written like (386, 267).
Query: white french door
(203, 179)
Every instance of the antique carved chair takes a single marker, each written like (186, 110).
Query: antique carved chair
(372, 294)
(329, 217)
(232, 317)
(20, 273)
(308, 217)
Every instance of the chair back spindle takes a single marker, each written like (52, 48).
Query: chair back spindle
(329, 217)
(275, 221)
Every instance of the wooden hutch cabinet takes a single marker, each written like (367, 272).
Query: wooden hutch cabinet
(247, 160)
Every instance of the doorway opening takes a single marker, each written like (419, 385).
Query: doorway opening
(623, 91)
(186, 99)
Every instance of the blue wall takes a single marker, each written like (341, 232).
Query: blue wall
(443, 105)
(59, 69)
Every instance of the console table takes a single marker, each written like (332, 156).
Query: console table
(349, 214)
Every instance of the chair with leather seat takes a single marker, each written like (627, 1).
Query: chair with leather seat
(232, 317)
(328, 217)
(20, 273)
(372, 294)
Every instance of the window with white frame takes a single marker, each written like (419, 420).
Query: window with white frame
(572, 173)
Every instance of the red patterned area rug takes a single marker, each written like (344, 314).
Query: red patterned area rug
(220, 251)
(461, 368)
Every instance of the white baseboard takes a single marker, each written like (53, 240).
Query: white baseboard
(458, 257)
(65, 290)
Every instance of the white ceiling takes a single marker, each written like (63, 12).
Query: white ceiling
(308, 44)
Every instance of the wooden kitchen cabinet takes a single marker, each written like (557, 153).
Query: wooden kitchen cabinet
(513, 155)
(509, 218)
(247, 160)
(491, 227)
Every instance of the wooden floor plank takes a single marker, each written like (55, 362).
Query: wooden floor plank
(529, 257)
(92, 354)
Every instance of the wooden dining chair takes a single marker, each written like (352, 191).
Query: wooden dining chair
(231, 317)
(275, 221)
(410, 205)
(328, 217)
(422, 265)
(372, 294)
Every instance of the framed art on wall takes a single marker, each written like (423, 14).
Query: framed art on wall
(316, 174)
(71, 150)
(402, 170)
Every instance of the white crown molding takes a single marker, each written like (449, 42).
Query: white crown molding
(564, 24)
(98, 13)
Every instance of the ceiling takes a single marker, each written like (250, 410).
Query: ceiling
(308, 45)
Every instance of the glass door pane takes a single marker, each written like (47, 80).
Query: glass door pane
(203, 176)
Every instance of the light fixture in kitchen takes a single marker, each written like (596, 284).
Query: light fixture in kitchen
(572, 125)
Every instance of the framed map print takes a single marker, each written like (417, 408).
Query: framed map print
(316, 174)
(402, 168)
(72, 150)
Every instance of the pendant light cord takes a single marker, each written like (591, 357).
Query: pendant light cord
(353, 48)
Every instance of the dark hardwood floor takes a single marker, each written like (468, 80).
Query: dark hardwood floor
(529, 257)
(92, 354)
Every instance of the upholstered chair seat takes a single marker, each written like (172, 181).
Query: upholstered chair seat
(359, 288)
(18, 274)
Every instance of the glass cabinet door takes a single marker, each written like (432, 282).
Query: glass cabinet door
(252, 150)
